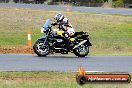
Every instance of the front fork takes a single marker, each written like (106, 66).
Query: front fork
(44, 43)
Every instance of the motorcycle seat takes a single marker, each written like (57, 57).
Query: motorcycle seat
(79, 33)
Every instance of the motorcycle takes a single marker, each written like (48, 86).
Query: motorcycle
(54, 42)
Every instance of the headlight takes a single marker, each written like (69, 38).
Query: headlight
(42, 30)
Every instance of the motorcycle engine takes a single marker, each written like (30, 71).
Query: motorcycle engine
(59, 43)
(59, 40)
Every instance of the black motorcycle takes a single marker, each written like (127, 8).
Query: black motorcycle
(53, 41)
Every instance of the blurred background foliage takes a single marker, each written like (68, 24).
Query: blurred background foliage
(88, 3)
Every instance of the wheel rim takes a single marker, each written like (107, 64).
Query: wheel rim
(82, 49)
(40, 50)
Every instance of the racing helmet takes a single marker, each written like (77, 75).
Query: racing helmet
(59, 17)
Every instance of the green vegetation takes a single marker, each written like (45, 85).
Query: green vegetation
(109, 34)
(117, 3)
(83, 1)
(48, 80)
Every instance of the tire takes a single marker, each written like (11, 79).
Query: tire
(39, 51)
(80, 54)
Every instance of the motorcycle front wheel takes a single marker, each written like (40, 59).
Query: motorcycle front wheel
(39, 50)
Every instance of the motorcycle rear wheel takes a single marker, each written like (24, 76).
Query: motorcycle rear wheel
(81, 51)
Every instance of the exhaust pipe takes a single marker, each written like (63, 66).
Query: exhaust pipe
(80, 44)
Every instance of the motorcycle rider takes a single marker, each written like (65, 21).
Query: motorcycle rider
(65, 25)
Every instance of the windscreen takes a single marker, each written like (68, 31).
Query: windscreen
(47, 24)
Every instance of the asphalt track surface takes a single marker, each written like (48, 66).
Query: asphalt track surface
(64, 8)
(30, 62)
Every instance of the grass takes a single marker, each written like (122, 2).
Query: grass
(109, 34)
(48, 80)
